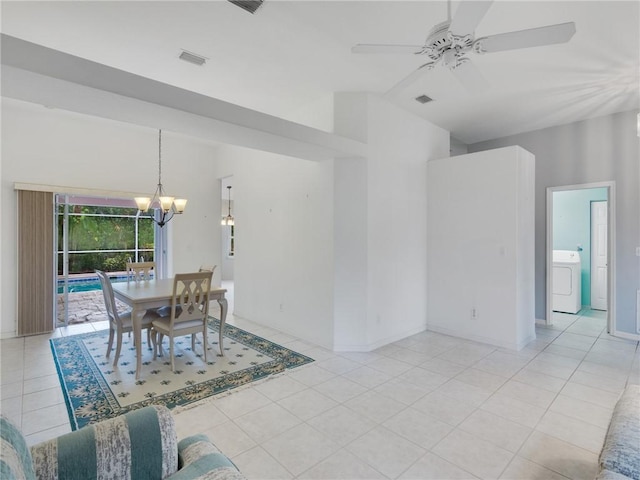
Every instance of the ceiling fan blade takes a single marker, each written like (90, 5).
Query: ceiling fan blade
(409, 79)
(468, 16)
(374, 48)
(469, 76)
(533, 37)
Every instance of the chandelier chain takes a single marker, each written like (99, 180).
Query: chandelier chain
(160, 157)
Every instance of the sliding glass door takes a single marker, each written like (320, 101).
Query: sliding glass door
(96, 234)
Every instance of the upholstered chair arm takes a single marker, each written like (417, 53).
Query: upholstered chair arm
(621, 451)
(199, 459)
(139, 445)
(15, 456)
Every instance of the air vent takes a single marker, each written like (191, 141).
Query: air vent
(249, 5)
(192, 58)
(424, 99)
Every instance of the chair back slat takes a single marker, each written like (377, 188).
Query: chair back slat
(140, 271)
(191, 294)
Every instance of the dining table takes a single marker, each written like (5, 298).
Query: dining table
(151, 294)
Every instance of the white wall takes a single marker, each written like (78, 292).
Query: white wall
(54, 147)
(351, 235)
(1, 232)
(283, 266)
(392, 199)
(335, 252)
(480, 246)
(596, 150)
(400, 144)
(457, 148)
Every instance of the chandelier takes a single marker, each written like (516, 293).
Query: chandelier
(228, 220)
(168, 206)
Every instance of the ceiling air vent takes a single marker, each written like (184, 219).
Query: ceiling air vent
(424, 99)
(249, 5)
(192, 58)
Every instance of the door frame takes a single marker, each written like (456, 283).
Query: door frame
(611, 248)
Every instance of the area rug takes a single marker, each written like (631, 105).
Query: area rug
(95, 390)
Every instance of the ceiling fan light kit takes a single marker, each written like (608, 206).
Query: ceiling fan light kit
(449, 42)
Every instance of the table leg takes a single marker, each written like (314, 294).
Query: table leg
(223, 319)
(136, 318)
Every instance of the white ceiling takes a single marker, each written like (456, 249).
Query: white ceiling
(291, 55)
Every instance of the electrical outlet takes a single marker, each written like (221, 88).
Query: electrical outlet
(637, 251)
(282, 307)
(474, 313)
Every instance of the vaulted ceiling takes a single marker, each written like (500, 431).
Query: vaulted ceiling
(292, 55)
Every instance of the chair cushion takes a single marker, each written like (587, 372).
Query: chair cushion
(127, 322)
(15, 458)
(164, 324)
(166, 311)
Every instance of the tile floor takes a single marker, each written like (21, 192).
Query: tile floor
(427, 407)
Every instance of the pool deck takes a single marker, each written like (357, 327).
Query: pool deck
(89, 306)
(85, 307)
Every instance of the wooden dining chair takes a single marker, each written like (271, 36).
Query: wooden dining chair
(120, 323)
(140, 271)
(188, 315)
(166, 311)
(208, 268)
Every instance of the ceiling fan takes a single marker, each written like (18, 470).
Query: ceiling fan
(449, 42)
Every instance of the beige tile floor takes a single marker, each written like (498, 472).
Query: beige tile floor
(426, 407)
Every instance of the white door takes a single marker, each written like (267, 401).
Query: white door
(599, 255)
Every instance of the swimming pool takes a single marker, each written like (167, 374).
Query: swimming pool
(86, 284)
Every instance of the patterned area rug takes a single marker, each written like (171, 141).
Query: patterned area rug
(95, 390)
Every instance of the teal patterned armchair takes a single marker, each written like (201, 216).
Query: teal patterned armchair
(139, 445)
(620, 455)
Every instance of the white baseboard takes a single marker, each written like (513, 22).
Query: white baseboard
(627, 336)
(6, 335)
(481, 339)
(380, 343)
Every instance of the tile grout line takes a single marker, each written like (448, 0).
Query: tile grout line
(548, 409)
(533, 429)
(414, 347)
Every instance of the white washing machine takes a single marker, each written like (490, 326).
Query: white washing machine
(567, 291)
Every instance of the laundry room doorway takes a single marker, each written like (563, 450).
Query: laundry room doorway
(580, 252)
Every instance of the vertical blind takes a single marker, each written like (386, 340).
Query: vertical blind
(35, 262)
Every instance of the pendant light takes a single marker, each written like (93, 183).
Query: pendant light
(228, 220)
(168, 205)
